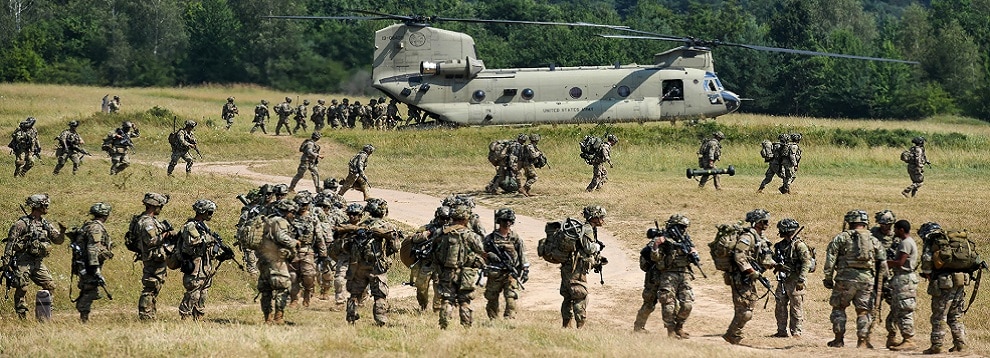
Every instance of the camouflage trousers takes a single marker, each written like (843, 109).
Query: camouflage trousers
(789, 310)
(250, 260)
(903, 301)
(422, 276)
(23, 161)
(501, 283)
(89, 291)
(282, 123)
(119, 161)
(259, 124)
(599, 176)
(300, 123)
(302, 273)
(788, 175)
(340, 277)
(744, 298)
(62, 156)
(859, 295)
(194, 300)
(30, 269)
(947, 308)
(529, 171)
(772, 170)
(673, 291)
(314, 171)
(917, 175)
(319, 123)
(184, 155)
(273, 285)
(500, 172)
(152, 280)
(229, 119)
(356, 182)
(574, 289)
(704, 178)
(456, 288)
(359, 278)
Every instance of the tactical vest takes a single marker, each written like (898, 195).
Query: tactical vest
(858, 252)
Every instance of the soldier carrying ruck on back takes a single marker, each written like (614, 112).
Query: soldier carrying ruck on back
(68, 146)
(29, 241)
(300, 114)
(319, 116)
(25, 146)
(283, 110)
(182, 141)
(308, 161)
(261, 114)
(91, 248)
(229, 112)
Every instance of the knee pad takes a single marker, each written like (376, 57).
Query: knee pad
(578, 292)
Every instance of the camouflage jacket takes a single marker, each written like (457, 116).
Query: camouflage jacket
(920, 159)
(186, 140)
(31, 239)
(842, 260)
(471, 250)
(95, 243)
(319, 113)
(151, 236)
(795, 259)
(283, 110)
(511, 246)
(604, 155)
(261, 113)
(751, 246)
(198, 246)
(302, 111)
(69, 141)
(669, 256)
(358, 163)
(229, 111)
(310, 152)
(710, 150)
(310, 235)
(279, 240)
(24, 140)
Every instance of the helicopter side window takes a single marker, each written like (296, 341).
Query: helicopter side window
(712, 87)
(527, 94)
(673, 90)
(576, 92)
(623, 91)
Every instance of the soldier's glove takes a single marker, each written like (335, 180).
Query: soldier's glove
(828, 283)
(753, 276)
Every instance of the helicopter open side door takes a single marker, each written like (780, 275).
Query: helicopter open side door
(672, 98)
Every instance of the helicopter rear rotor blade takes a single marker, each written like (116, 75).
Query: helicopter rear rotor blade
(519, 22)
(816, 53)
(299, 17)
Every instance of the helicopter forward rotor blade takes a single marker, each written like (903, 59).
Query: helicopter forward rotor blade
(634, 37)
(815, 53)
(294, 17)
(519, 22)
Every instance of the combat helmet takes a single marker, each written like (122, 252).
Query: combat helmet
(264, 102)
(230, 99)
(155, 199)
(796, 137)
(73, 124)
(522, 138)
(757, 215)
(127, 125)
(593, 211)
(460, 212)
(303, 198)
(288, 99)
(368, 148)
(204, 206)
(919, 140)
(321, 101)
(377, 208)
(37, 201)
(788, 225)
(928, 228)
(535, 137)
(505, 214)
(286, 206)
(678, 220)
(784, 137)
(381, 99)
(191, 124)
(857, 216)
(100, 209)
(718, 135)
(354, 209)
(305, 102)
(611, 138)
(331, 184)
(442, 213)
(333, 101)
(316, 135)
(280, 190)
(885, 217)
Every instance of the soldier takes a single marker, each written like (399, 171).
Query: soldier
(424, 271)
(884, 230)
(333, 114)
(916, 161)
(903, 288)
(668, 277)
(151, 235)
(392, 114)
(531, 159)
(458, 254)
(312, 248)
(415, 114)
(773, 168)
(507, 265)
(370, 250)
(709, 153)
(283, 110)
(854, 257)
(118, 143)
(574, 271)
(68, 146)
(367, 115)
(355, 214)
(277, 247)
(229, 112)
(789, 162)
(378, 113)
(319, 115)
(514, 160)
(29, 241)
(308, 162)
(356, 177)
(93, 246)
(25, 146)
(355, 112)
(474, 222)
(604, 156)
(344, 114)
(184, 141)
(948, 291)
(114, 105)
(300, 115)
(327, 210)
(793, 259)
(750, 257)
(260, 115)
(256, 205)
(198, 248)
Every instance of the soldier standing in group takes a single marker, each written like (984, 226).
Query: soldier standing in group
(300, 115)
(197, 243)
(947, 289)
(312, 248)
(354, 113)
(532, 158)
(458, 254)
(29, 241)
(903, 288)
(283, 110)
(356, 177)
(514, 159)
(333, 114)
(855, 257)
(474, 222)
(506, 255)
(392, 114)
(24, 144)
(329, 215)
(114, 105)
(916, 161)
(789, 163)
(668, 276)
(344, 114)
(423, 272)
(344, 234)
(371, 253)
(120, 142)
(260, 115)
(604, 156)
(709, 153)
(793, 259)
(68, 146)
(278, 246)
(574, 271)
(151, 236)
(319, 115)
(773, 159)
(415, 114)
(255, 207)
(94, 245)
(184, 141)
(308, 162)
(750, 255)
(378, 113)
(229, 112)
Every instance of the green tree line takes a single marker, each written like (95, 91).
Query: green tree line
(191, 42)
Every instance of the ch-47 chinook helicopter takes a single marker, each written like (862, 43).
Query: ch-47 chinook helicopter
(439, 72)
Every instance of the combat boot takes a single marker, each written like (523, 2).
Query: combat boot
(578, 324)
(268, 318)
(279, 318)
(906, 345)
(324, 296)
(934, 349)
(958, 347)
(837, 342)
(680, 331)
(780, 334)
(566, 322)
(864, 342)
(672, 333)
(293, 304)
(84, 317)
(892, 340)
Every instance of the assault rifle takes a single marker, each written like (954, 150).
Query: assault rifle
(758, 267)
(502, 262)
(219, 249)
(9, 275)
(686, 246)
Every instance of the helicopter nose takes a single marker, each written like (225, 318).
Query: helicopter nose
(731, 101)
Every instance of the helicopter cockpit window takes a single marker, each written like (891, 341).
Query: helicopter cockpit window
(623, 91)
(711, 86)
(527, 94)
(673, 90)
(478, 96)
(576, 92)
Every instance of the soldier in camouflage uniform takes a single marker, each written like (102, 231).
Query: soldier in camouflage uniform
(283, 110)
(903, 300)
(29, 241)
(151, 236)
(198, 248)
(378, 113)
(312, 248)
(114, 105)
(24, 144)
(916, 166)
(415, 114)
(853, 257)
(261, 114)
(328, 210)
(185, 141)
(424, 272)
(343, 233)
(94, 244)
(531, 154)
(574, 271)
(370, 249)
(319, 116)
(793, 259)
(474, 222)
(344, 114)
(121, 141)
(773, 164)
(229, 112)
(709, 153)
(300, 114)
(751, 253)
(668, 277)
(392, 114)
(789, 162)
(356, 177)
(278, 247)
(948, 293)
(256, 206)
(458, 254)
(333, 114)
(308, 161)
(604, 156)
(506, 254)
(68, 146)
(514, 159)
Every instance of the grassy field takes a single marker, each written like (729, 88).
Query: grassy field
(848, 164)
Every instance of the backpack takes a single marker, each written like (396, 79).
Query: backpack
(645, 261)
(509, 184)
(497, 151)
(251, 232)
(859, 253)
(561, 242)
(173, 141)
(907, 156)
(722, 247)
(954, 251)
(769, 150)
(590, 147)
(107, 145)
(78, 247)
(131, 237)
(449, 249)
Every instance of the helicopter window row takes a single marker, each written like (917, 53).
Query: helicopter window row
(478, 96)
(673, 90)
(527, 94)
(623, 91)
(576, 92)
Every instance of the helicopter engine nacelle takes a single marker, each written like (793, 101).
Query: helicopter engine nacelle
(468, 67)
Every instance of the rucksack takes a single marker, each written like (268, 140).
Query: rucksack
(590, 147)
(449, 250)
(509, 184)
(860, 253)
(251, 232)
(954, 251)
(173, 140)
(769, 150)
(722, 247)
(78, 247)
(561, 241)
(107, 145)
(498, 151)
(907, 156)
(131, 238)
